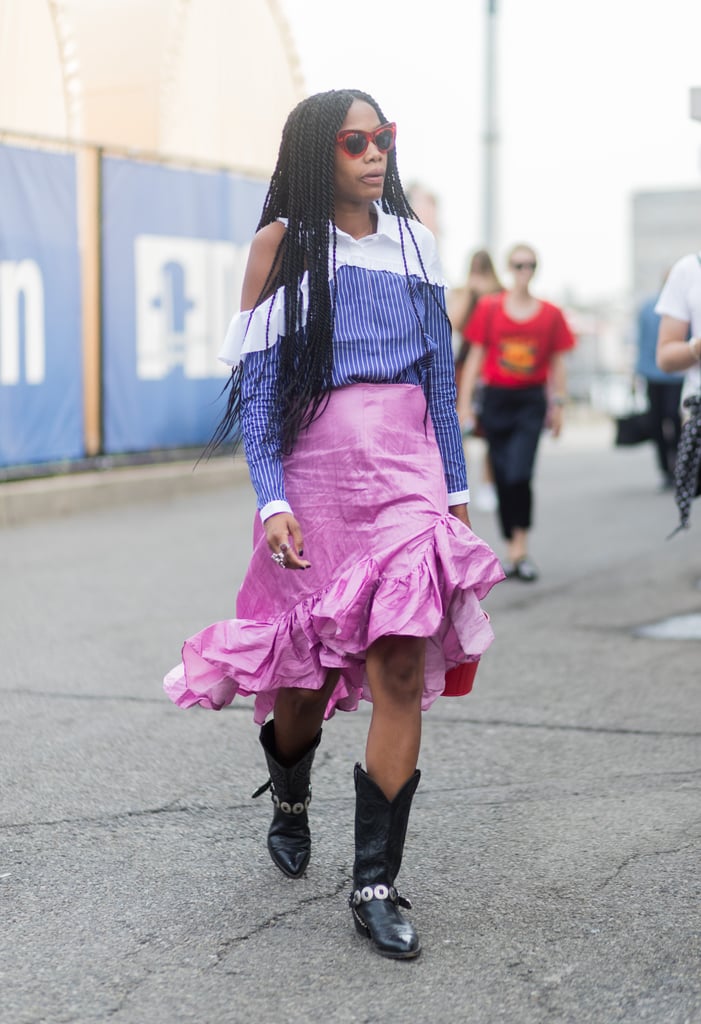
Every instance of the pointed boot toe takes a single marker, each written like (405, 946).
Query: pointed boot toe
(390, 933)
(289, 856)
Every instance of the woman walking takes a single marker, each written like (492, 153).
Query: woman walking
(517, 345)
(365, 578)
(481, 280)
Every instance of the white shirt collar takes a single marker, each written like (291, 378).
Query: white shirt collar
(387, 227)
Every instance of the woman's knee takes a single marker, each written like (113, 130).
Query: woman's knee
(399, 667)
(300, 700)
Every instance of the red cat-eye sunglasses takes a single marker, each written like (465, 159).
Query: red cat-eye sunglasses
(354, 141)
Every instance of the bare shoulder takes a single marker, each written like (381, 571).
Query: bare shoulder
(261, 261)
(269, 237)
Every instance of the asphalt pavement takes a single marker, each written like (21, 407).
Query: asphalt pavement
(553, 849)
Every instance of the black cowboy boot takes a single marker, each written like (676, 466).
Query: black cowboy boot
(380, 830)
(289, 839)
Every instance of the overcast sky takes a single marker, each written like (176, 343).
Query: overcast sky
(593, 103)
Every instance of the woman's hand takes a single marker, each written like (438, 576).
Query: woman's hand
(460, 512)
(555, 420)
(463, 408)
(284, 536)
(466, 414)
(466, 388)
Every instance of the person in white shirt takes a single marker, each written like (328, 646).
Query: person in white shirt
(679, 336)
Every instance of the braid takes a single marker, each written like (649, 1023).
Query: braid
(301, 190)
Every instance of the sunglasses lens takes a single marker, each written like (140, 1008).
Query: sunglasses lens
(355, 144)
(384, 140)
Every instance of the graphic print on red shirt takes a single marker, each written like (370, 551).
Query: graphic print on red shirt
(517, 353)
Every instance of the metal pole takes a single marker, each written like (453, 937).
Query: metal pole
(491, 137)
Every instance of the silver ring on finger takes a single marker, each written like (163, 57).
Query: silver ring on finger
(279, 559)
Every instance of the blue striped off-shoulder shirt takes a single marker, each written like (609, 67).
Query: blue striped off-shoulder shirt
(377, 339)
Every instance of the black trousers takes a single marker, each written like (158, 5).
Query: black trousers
(664, 399)
(512, 420)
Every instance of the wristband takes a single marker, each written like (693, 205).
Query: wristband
(693, 344)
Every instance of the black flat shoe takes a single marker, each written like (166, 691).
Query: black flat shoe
(523, 570)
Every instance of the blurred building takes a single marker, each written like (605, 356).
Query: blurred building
(665, 226)
(207, 80)
(137, 138)
(695, 103)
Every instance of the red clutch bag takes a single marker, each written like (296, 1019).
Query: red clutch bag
(459, 680)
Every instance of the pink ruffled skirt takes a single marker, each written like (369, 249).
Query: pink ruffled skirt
(366, 484)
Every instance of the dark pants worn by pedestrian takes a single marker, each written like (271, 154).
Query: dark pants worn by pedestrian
(664, 399)
(513, 420)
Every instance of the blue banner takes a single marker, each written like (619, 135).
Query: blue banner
(175, 244)
(41, 365)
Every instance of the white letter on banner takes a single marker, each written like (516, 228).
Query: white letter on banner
(186, 293)
(22, 280)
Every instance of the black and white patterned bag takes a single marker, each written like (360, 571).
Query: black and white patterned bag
(687, 472)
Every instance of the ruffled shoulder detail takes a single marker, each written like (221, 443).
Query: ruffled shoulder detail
(429, 252)
(258, 329)
(254, 330)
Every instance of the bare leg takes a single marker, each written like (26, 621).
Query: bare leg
(299, 714)
(487, 469)
(395, 670)
(518, 544)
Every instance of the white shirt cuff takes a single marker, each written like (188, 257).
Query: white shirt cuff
(272, 508)
(459, 497)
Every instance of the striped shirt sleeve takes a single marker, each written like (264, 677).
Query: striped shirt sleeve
(442, 395)
(263, 452)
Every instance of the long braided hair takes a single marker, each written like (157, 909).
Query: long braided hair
(302, 191)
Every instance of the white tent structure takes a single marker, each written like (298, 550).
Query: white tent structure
(204, 80)
(193, 82)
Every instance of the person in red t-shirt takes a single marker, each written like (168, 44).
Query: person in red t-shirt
(517, 346)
